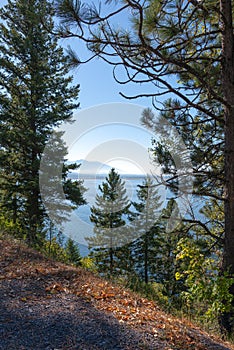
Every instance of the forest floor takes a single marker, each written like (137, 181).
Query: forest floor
(47, 305)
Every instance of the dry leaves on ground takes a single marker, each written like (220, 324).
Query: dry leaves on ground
(19, 262)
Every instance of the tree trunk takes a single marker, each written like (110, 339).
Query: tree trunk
(34, 217)
(228, 92)
(147, 238)
(111, 244)
(146, 258)
(111, 261)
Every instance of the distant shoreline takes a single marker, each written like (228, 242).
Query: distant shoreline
(79, 176)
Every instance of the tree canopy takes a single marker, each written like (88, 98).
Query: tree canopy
(36, 94)
(108, 216)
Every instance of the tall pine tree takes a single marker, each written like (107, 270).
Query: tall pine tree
(108, 217)
(146, 228)
(35, 96)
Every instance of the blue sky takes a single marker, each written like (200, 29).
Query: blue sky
(97, 84)
(96, 79)
(98, 88)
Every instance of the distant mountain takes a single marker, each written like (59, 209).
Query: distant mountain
(90, 169)
(95, 169)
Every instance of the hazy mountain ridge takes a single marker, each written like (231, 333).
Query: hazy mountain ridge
(96, 169)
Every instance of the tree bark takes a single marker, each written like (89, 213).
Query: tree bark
(228, 92)
(146, 257)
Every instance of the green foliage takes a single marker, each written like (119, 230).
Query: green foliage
(88, 263)
(146, 229)
(108, 217)
(72, 252)
(152, 290)
(170, 232)
(53, 249)
(36, 95)
(208, 293)
(53, 177)
(8, 226)
(154, 253)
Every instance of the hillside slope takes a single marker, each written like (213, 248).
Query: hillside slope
(47, 305)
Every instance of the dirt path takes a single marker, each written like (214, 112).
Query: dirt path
(31, 319)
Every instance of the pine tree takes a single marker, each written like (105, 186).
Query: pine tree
(165, 267)
(107, 215)
(198, 260)
(159, 231)
(72, 252)
(59, 193)
(35, 96)
(146, 228)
